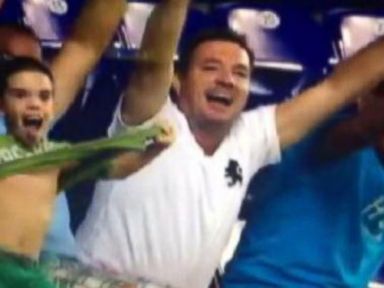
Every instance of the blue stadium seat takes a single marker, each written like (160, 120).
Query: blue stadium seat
(11, 11)
(352, 29)
(51, 20)
(132, 29)
(291, 48)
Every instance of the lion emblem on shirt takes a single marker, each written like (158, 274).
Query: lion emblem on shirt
(233, 173)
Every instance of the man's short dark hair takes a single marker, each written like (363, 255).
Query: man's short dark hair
(20, 64)
(227, 35)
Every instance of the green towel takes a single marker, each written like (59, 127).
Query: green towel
(16, 159)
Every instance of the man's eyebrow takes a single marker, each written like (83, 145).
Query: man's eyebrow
(26, 89)
(243, 67)
(211, 60)
(46, 90)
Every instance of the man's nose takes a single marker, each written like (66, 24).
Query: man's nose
(226, 78)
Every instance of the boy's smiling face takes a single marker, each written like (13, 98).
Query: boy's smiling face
(28, 106)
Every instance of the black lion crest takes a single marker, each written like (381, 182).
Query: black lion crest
(233, 173)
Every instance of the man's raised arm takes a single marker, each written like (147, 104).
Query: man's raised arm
(90, 36)
(149, 85)
(356, 76)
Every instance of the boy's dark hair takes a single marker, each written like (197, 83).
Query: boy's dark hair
(15, 65)
(216, 34)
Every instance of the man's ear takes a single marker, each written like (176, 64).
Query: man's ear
(175, 88)
(176, 83)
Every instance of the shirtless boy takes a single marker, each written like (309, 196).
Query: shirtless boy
(26, 199)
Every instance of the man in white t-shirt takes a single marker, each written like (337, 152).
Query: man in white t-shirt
(169, 222)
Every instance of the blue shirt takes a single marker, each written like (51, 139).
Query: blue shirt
(3, 129)
(59, 239)
(313, 223)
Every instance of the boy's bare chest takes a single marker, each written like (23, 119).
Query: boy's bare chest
(34, 185)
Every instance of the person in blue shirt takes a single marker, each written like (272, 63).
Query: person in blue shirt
(317, 219)
(2, 125)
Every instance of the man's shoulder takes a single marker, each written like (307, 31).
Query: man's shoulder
(258, 115)
(251, 122)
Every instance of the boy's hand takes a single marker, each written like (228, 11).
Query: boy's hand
(161, 141)
(167, 135)
(130, 162)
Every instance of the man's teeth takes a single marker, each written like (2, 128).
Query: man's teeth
(221, 98)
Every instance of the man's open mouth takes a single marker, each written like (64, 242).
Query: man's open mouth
(220, 98)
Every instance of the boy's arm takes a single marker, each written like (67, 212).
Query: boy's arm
(90, 36)
(356, 76)
(118, 162)
(150, 82)
(127, 163)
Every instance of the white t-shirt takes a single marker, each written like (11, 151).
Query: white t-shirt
(169, 222)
